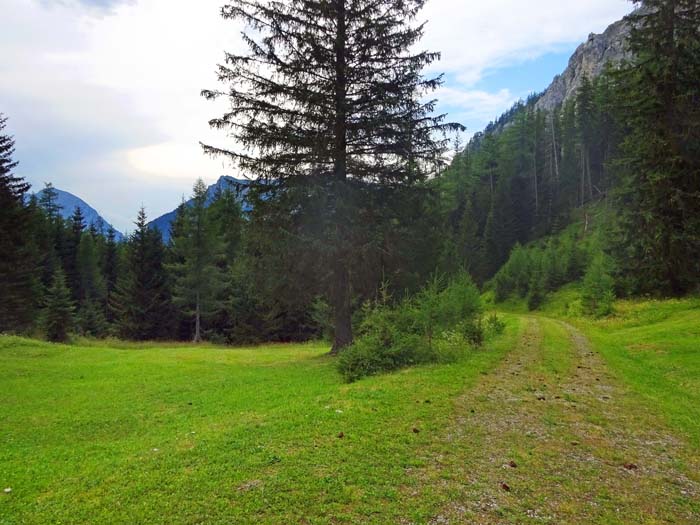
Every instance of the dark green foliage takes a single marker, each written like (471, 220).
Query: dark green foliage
(91, 289)
(657, 244)
(59, 309)
(141, 302)
(532, 272)
(199, 255)
(18, 272)
(110, 271)
(436, 325)
(598, 288)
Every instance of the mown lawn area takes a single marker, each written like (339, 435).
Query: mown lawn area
(120, 433)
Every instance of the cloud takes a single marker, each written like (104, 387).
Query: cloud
(470, 105)
(103, 6)
(476, 36)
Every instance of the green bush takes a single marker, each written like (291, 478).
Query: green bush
(598, 288)
(494, 325)
(437, 325)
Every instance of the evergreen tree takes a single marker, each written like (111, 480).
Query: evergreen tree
(91, 289)
(199, 279)
(329, 97)
(49, 202)
(598, 288)
(658, 197)
(71, 244)
(141, 302)
(110, 271)
(58, 315)
(18, 276)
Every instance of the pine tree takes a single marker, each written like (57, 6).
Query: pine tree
(141, 302)
(91, 290)
(658, 197)
(18, 275)
(69, 251)
(110, 271)
(198, 249)
(58, 315)
(598, 292)
(327, 108)
(49, 202)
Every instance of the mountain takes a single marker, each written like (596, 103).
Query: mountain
(68, 202)
(589, 60)
(225, 183)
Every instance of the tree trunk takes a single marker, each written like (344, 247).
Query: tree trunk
(341, 308)
(341, 277)
(534, 174)
(197, 323)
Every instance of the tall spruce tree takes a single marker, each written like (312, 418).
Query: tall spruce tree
(198, 249)
(658, 169)
(91, 288)
(58, 315)
(17, 257)
(110, 271)
(69, 252)
(326, 109)
(141, 302)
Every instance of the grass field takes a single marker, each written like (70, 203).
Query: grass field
(157, 434)
(547, 424)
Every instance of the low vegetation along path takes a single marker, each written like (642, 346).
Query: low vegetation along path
(551, 436)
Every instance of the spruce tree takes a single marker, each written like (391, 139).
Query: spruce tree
(91, 289)
(110, 271)
(58, 315)
(658, 197)
(70, 246)
(49, 202)
(18, 276)
(198, 249)
(327, 108)
(141, 302)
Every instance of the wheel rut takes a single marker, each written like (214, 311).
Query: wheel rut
(551, 436)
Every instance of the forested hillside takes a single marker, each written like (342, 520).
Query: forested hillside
(623, 147)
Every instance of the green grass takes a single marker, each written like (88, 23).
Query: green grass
(654, 346)
(120, 433)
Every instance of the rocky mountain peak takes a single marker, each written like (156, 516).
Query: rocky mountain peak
(589, 60)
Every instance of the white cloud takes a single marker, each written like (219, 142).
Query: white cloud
(474, 36)
(103, 95)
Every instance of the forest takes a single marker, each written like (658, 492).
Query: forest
(625, 146)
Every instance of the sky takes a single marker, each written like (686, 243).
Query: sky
(103, 95)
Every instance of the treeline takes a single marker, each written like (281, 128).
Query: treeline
(62, 277)
(318, 244)
(628, 142)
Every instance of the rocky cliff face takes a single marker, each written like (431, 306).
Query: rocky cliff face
(588, 60)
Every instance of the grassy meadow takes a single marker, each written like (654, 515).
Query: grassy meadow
(600, 417)
(120, 433)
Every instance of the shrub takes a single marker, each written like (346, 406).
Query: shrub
(598, 288)
(435, 326)
(494, 325)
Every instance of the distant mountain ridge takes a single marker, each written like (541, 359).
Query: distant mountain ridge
(68, 202)
(225, 183)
